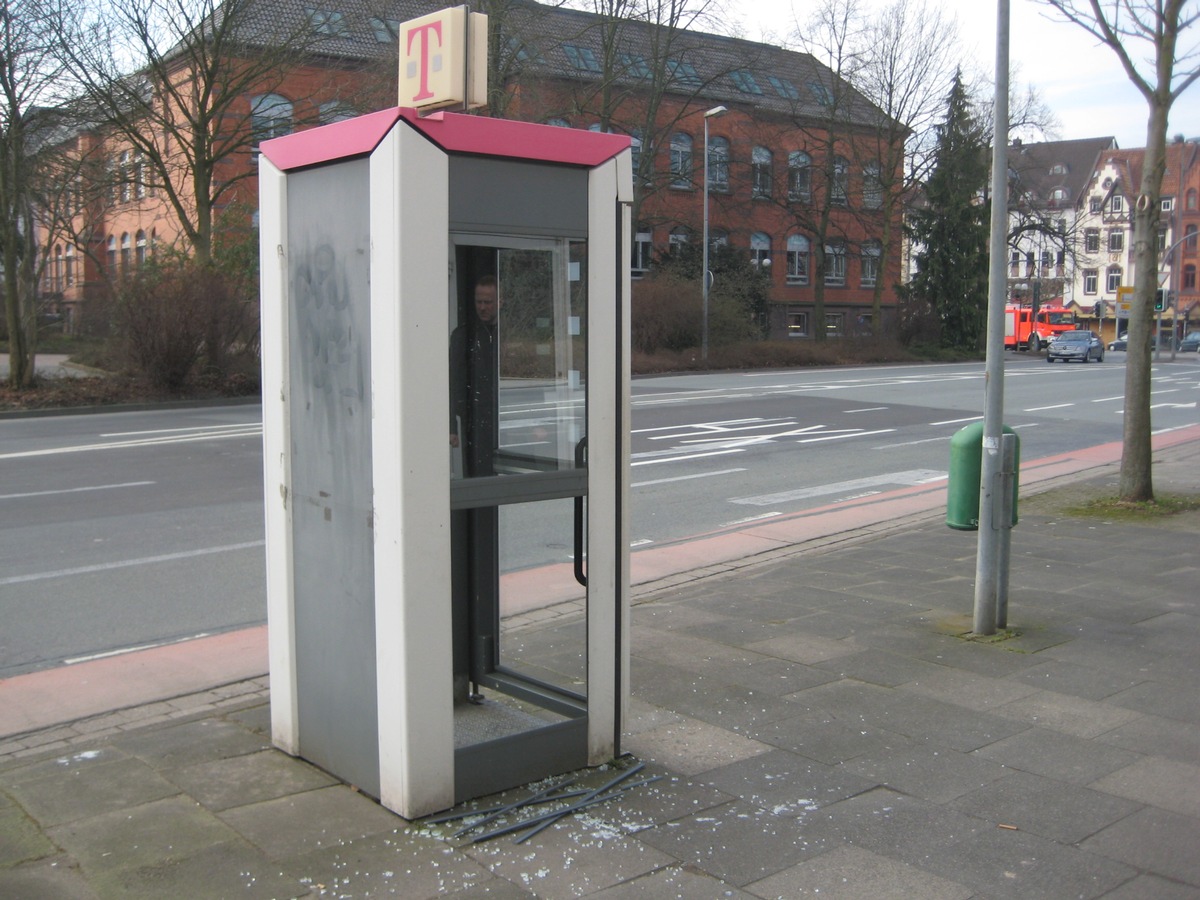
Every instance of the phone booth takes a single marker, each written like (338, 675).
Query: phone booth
(445, 305)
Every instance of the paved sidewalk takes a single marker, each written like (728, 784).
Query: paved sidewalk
(823, 726)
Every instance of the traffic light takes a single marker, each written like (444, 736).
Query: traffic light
(1160, 299)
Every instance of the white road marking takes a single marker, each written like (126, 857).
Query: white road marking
(749, 519)
(667, 459)
(183, 430)
(1044, 408)
(77, 490)
(125, 563)
(150, 442)
(959, 421)
(907, 478)
(864, 409)
(838, 437)
(124, 650)
(685, 477)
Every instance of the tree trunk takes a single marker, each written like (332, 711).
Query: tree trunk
(1136, 484)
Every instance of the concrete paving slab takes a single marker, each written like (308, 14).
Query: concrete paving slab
(21, 838)
(1154, 841)
(926, 770)
(1148, 735)
(672, 883)
(878, 667)
(1062, 757)
(53, 876)
(144, 835)
(691, 746)
(821, 736)
(787, 784)
(570, 859)
(91, 789)
(1159, 782)
(977, 692)
(1070, 715)
(188, 743)
(1151, 887)
(301, 823)
(252, 778)
(216, 872)
(852, 873)
(738, 842)
(1014, 864)
(1045, 807)
(407, 863)
(1088, 682)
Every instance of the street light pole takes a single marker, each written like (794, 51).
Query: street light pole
(712, 113)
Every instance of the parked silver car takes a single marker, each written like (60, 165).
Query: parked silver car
(1080, 345)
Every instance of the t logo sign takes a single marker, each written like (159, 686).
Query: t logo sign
(442, 57)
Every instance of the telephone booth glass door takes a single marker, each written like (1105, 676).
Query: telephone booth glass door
(518, 425)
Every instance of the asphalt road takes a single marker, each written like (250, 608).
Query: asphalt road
(124, 530)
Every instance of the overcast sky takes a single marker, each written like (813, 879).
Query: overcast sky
(1082, 83)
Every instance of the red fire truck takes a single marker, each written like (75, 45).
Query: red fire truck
(1024, 330)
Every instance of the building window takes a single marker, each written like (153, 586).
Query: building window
(1116, 205)
(635, 66)
(1029, 264)
(1058, 196)
(126, 250)
(582, 58)
(679, 236)
(1190, 203)
(1189, 276)
(799, 176)
(760, 249)
(797, 259)
(872, 186)
(1189, 239)
(871, 253)
(69, 263)
(385, 30)
(1095, 204)
(327, 22)
(683, 73)
(681, 160)
(1091, 240)
(835, 264)
(111, 256)
(1116, 241)
(1060, 264)
(1112, 279)
(270, 116)
(1014, 264)
(1058, 169)
(717, 237)
(718, 163)
(125, 176)
(557, 122)
(744, 81)
(839, 190)
(1165, 204)
(140, 249)
(1091, 279)
(835, 324)
(821, 93)
(643, 251)
(1045, 264)
(797, 323)
(784, 88)
(56, 273)
(760, 172)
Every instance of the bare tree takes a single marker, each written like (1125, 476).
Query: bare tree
(171, 81)
(907, 70)
(30, 78)
(1145, 37)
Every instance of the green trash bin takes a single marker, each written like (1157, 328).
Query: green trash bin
(966, 467)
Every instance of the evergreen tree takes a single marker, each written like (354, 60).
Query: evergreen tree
(951, 232)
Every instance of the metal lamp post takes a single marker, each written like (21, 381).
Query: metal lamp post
(704, 279)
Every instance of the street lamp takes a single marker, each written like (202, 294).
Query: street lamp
(704, 277)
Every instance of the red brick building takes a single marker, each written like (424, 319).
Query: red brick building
(796, 173)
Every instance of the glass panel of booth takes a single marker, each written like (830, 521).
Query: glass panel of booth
(518, 413)
(518, 366)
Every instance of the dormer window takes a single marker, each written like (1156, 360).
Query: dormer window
(744, 81)
(683, 73)
(582, 58)
(1058, 169)
(784, 88)
(327, 21)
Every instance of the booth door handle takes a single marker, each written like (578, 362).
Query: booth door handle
(580, 460)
